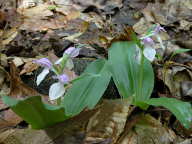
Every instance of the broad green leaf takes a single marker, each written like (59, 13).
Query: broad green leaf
(35, 112)
(127, 73)
(182, 110)
(88, 89)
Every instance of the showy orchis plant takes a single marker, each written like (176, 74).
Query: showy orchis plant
(129, 64)
(57, 89)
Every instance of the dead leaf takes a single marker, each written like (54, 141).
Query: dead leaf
(41, 18)
(18, 88)
(146, 130)
(4, 76)
(28, 68)
(8, 36)
(170, 11)
(8, 119)
(109, 121)
(175, 77)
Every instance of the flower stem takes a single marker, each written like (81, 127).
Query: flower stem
(59, 101)
(141, 76)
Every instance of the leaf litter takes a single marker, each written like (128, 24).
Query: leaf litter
(38, 28)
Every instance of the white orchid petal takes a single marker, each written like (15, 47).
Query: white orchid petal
(56, 91)
(42, 76)
(149, 53)
(69, 64)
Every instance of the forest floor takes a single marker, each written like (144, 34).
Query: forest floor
(32, 29)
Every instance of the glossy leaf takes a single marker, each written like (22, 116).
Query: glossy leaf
(182, 110)
(35, 112)
(88, 89)
(129, 76)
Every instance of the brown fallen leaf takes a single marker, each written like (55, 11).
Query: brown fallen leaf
(28, 68)
(175, 76)
(108, 122)
(18, 88)
(144, 129)
(8, 119)
(4, 76)
(40, 17)
(8, 36)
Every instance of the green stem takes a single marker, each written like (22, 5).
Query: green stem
(141, 76)
(58, 101)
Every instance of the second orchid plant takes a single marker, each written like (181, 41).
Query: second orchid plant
(57, 89)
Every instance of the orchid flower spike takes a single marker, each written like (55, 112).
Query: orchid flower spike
(46, 63)
(149, 51)
(57, 89)
(157, 30)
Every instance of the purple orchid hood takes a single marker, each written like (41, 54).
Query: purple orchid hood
(63, 78)
(45, 62)
(72, 52)
(148, 41)
(159, 29)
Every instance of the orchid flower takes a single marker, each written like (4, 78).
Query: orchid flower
(159, 29)
(46, 63)
(149, 51)
(71, 52)
(57, 89)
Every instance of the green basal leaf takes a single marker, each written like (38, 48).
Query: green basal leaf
(130, 77)
(88, 89)
(182, 110)
(35, 112)
(178, 51)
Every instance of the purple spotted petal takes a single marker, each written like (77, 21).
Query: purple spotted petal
(45, 62)
(159, 29)
(62, 78)
(72, 51)
(148, 41)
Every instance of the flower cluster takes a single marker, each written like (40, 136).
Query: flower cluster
(57, 89)
(149, 51)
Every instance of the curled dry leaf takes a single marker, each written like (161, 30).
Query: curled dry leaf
(18, 88)
(176, 77)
